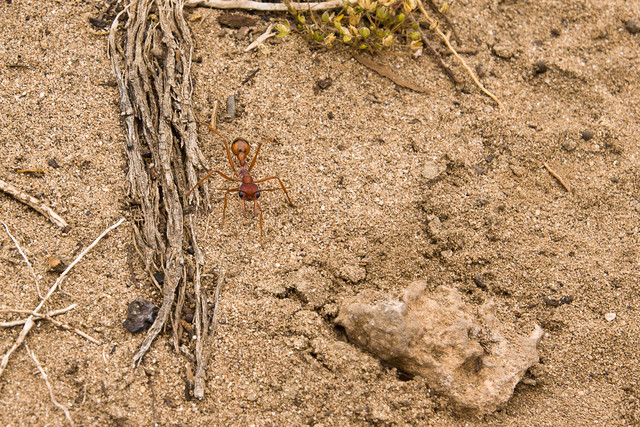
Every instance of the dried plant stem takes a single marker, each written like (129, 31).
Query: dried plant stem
(214, 116)
(254, 5)
(46, 380)
(558, 177)
(33, 273)
(74, 330)
(37, 316)
(36, 204)
(261, 38)
(151, 60)
(30, 320)
(434, 25)
(210, 329)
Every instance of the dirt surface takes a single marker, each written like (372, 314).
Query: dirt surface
(389, 185)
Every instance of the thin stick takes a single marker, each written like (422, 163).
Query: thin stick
(72, 329)
(46, 380)
(198, 391)
(35, 279)
(434, 25)
(254, 5)
(30, 320)
(36, 204)
(37, 316)
(214, 115)
(556, 176)
(261, 38)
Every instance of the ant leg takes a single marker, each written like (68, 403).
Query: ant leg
(256, 206)
(282, 187)
(224, 207)
(224, 141)
(207, 176)
(255, 156)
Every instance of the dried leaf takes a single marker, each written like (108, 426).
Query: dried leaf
(385, 72)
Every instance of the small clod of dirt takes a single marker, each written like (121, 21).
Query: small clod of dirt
(57, 264)
(142, 314)
(236, 20)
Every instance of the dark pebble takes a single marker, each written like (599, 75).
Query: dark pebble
(159, 278)
(324, 83)
(142, 314)
(481, 71)
(540, 67)
(98, 23)
(188, 313)
(477, 279)
(53, 163)
(632, 25)
(567, 299)
(587, 134)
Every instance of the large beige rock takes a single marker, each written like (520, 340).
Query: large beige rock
(460, 350)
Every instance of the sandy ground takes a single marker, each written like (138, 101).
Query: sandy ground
(389, 185)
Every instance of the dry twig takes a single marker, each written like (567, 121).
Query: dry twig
(151, 60)
(261, 38)
(558, 177)
(254, 5)
(209, 328)
(37, 316)
(30, 320)
(33, 272)
(46, 380)
(434, 25)
(386, 72)
(36, 204)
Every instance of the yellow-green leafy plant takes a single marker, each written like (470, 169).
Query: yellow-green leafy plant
(362, 24)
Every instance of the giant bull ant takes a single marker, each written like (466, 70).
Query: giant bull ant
(248, 190)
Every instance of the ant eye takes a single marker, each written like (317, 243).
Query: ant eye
(257, 194)
(241, 194)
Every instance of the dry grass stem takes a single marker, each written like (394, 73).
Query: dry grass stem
(254, 5)
(261, 38)
(37, 316)
(210, 329)
(28, 324)
(46, 380)
(214, 116)
(386, 72)
(557, 177)
(33, 272)
(434, 25)
(36, 204)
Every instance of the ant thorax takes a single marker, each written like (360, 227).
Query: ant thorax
(244, 176)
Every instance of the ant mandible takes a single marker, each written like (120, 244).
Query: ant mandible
(248, 190)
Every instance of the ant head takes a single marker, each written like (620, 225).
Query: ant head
(240, 149)
(249, 191)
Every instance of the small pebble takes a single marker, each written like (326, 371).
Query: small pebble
(569, 145)
(610, 317)
(632, 25)
(540, 67)
(587, 134)
(141, 315)
(504, 51)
